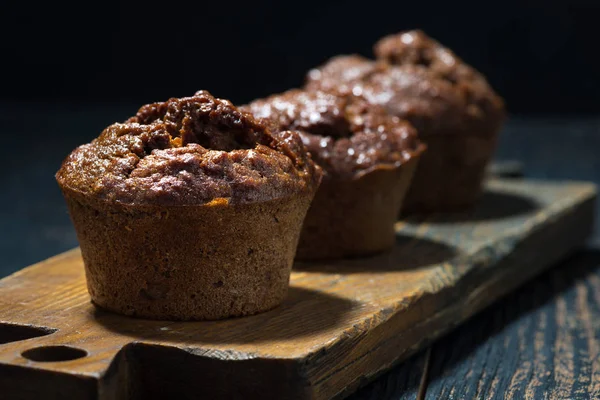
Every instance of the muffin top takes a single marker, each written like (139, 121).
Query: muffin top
(342, 73)
(190, 151)
(419, 80)
(345, 134)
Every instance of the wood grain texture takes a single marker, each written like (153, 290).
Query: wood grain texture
(402, 382)
(342, 324)
(405, 381)
(540, 342)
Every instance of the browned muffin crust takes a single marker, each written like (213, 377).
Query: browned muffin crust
(455, 111)
(344, 134)
(189, 151)
(417, 79)
(415, 48)
(342, 73)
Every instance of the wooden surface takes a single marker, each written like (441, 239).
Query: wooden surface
(406, 381)
(342, 324)
(541, 342)
(549, 148)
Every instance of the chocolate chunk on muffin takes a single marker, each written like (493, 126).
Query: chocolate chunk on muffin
(455, 111)
(368, 158)
(191, 209)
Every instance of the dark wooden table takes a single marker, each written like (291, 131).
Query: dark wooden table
(541, 341)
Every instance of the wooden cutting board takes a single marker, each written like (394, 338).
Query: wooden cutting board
(343, 323)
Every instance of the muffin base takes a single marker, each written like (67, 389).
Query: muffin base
(190, 262)
(355, 217)
(450, 173)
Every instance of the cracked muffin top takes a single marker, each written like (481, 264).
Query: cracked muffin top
(418, 79)
(345, 135)
(190, 151)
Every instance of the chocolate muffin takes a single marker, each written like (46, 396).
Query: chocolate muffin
(368, 158)
(191, 209)
(455, 111)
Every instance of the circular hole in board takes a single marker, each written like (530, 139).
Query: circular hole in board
(54, 353)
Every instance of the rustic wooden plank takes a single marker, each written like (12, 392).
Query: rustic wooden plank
(342, 324)
(542, 341)
(405, 381)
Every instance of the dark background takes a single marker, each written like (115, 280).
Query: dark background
(68, 71)
(542, 56)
